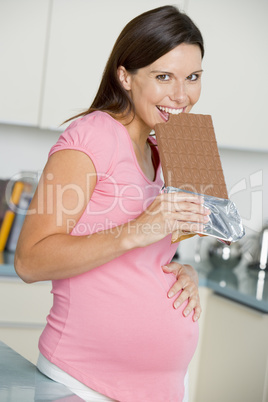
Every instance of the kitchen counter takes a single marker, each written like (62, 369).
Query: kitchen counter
(243, 285)
(240, 284)
(21, 381)
(7, 265)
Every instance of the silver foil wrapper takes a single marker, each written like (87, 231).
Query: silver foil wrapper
(225, 223)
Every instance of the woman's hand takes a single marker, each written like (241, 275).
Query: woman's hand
(187, 282)
(176, 213)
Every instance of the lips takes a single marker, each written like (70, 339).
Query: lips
(166, 111)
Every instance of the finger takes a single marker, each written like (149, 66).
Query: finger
(190, 306)
(182, 206)
(178, 286)
(197, 312)
(180, 196)
(191, 207)
(185, 295)
(189, 197)
(180, 283)
(183, 278)
(173, 266)
(194, 214)
(186, 227)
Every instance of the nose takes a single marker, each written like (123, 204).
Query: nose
(179, 93)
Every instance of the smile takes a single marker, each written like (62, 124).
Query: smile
(170, 110)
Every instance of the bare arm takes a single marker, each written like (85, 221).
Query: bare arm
(46, 250)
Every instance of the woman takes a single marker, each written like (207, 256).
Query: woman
(122, 326)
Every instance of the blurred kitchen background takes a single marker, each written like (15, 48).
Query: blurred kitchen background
(52, 56)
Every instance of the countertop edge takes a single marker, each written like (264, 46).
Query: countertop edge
(208, 277)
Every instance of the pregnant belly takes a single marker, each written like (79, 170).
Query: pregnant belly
(136, 325)
(150, 337)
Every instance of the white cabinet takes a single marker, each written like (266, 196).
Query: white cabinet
(23, 312)
(235, 88)
(81, 38)
(53, 53)
(195, 363)
(232, 356)
(23, 32)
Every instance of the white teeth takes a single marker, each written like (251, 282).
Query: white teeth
(171, 111)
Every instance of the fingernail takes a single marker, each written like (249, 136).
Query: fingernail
(186, 312)
(195, 318)
(171, 294)
(177, 304)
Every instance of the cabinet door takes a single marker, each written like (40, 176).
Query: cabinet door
(23, 339)
(233, 353)
(235, 87)
(82, 36)
(204, 294)
(23, 30)
(23, 312)
(24, 303)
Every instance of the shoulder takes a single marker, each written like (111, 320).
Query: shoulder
(97, 126)
(94, 134)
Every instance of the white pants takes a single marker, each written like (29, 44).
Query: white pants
(78, 388)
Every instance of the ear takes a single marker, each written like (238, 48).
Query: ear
(124, 77)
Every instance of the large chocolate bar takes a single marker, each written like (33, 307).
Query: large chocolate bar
(189, 154)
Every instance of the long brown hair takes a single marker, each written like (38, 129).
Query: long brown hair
(143, 40)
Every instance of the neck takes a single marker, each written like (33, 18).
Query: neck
(138, 131)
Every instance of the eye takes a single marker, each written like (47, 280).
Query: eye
(163, 77)
(193, 77)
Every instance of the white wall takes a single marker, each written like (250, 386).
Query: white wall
(24, 148)
(246, 175)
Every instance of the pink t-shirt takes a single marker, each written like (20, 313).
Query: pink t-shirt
(114, 328)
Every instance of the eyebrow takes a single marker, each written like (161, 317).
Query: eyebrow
(167, 72)
(198, 71)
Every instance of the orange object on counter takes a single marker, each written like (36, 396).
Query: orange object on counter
(10, 215)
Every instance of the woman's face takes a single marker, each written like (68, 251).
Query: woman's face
(170, 85)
